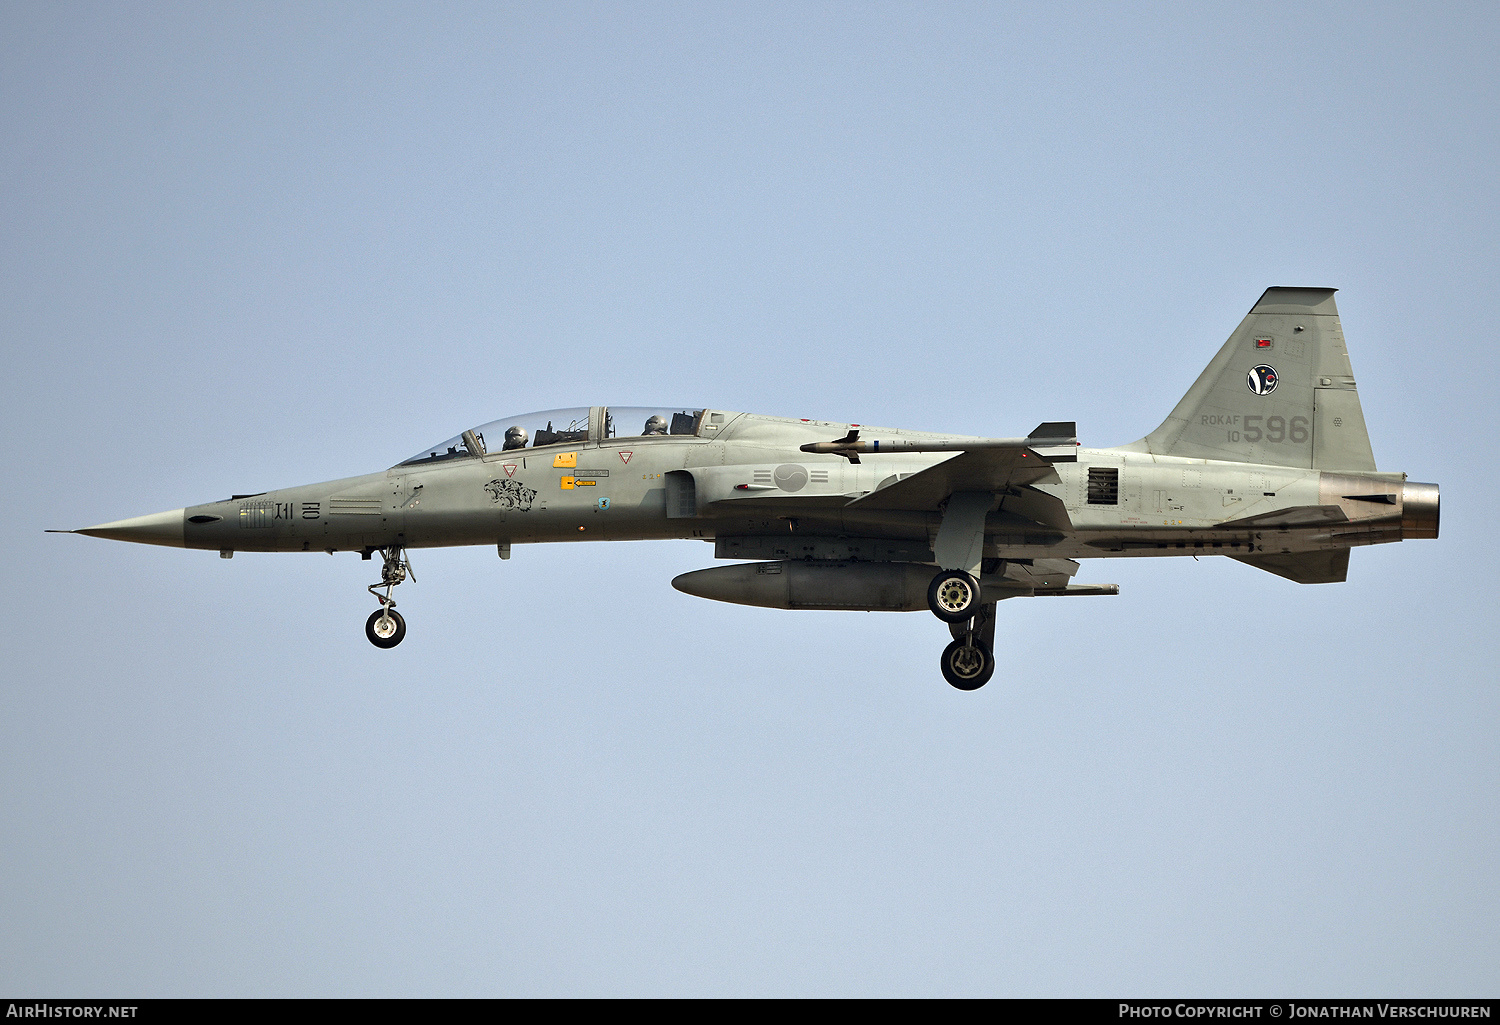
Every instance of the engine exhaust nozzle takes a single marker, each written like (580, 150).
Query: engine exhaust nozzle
(1419, 510)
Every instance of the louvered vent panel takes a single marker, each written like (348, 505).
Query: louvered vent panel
(354, 506)
(1104, 485)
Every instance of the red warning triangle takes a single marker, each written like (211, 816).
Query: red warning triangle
(625, 456)
(509, 468)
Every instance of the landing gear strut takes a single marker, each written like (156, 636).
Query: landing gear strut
(385, 628)
(969, 662)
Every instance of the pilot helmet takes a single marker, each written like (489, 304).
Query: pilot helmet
(656, 424)
(515, 437)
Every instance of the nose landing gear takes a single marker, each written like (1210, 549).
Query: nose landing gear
(385, 628)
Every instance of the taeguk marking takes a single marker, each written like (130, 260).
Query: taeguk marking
(790, 477)
(1262, 379)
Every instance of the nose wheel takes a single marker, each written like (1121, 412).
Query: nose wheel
(385, 628)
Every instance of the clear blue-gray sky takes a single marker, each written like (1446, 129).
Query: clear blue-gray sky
(255, 245)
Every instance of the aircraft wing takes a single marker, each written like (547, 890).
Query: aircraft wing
(989, 469)
(994, 466)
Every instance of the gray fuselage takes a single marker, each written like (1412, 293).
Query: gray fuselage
(750, 488)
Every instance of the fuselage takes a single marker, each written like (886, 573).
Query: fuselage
(747, 485)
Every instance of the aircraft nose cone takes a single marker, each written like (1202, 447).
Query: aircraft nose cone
(163, 528)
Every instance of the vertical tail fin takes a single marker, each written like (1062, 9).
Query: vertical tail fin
(1280, 391)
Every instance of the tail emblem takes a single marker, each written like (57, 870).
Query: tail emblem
(1262, 379)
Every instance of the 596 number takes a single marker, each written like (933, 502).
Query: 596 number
(1276, 429)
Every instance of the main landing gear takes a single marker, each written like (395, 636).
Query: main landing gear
(385, 628)
(953, 596)
(969, 661)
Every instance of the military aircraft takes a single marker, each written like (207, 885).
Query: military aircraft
(1265, 460)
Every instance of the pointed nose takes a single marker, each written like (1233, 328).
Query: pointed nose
(163, 528)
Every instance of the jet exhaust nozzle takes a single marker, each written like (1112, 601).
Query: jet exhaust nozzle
(1419, 510)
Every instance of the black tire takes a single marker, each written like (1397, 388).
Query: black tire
(374, 629)
(968, 667)
(953, 596)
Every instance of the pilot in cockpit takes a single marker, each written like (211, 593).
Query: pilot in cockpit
(515, 437)
(655, 424)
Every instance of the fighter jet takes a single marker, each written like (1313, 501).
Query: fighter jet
(1265, 460)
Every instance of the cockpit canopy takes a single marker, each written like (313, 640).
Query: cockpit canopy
(563, 427)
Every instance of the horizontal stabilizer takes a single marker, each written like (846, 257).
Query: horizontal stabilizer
(1297, 516)
(1305, 567)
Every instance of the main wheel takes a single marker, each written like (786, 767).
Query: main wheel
(968, 666)
(953, 596)
(385, 628)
